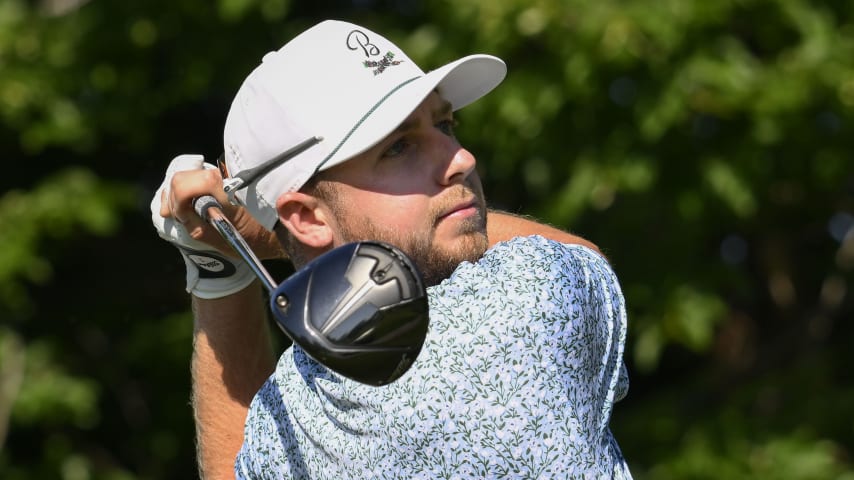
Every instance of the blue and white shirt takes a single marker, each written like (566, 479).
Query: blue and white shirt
(516, 379)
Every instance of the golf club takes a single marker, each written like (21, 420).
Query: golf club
(359, 309)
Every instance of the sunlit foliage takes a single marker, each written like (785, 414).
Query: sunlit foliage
(705, 146)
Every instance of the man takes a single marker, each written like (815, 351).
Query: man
(523, 360)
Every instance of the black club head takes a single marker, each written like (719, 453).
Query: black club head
(360, 310)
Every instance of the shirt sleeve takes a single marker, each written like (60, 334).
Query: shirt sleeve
(246, 464)
(592, 342)
(267, 447)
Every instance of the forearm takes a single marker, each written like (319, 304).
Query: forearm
(502, 226)
(232, 357)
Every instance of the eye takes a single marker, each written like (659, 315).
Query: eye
(447, 126)
(397, 148)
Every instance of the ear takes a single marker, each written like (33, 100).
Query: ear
(304, 216)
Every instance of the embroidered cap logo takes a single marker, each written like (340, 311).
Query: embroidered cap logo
(358, 39)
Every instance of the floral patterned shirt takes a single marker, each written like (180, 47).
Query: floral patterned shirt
(516, 379)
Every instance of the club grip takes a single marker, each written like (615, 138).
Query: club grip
(203, 203)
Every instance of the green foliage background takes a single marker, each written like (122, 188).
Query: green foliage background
(704, 145)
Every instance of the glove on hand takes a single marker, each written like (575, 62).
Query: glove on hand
(210, 274)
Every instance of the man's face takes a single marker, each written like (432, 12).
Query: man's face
(418, 190)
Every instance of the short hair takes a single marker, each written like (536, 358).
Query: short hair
(317, 186)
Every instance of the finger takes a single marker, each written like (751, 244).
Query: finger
(186, 186)
(168, 206)
(180, 163)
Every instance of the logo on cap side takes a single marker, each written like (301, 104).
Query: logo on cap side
(357, 39)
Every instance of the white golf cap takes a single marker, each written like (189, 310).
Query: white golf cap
(341, 82)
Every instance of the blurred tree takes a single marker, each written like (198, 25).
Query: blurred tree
(703, 145)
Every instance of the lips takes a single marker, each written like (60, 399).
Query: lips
(459, 207)
(458, 199)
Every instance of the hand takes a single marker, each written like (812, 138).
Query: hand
(189, 177)
(210, 273)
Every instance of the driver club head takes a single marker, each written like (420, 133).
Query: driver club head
(359, 309)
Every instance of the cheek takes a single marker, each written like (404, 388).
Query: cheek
(400, 214)
(404, 215)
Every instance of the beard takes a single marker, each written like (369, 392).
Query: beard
(436, 263)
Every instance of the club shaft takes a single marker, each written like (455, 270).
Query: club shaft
(209, 209)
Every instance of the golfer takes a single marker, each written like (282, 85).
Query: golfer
(523, 360)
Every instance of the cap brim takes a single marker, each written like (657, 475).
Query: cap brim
(460, 82)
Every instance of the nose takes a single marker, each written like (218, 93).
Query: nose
(458, 165)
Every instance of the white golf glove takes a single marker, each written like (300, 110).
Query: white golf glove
(210, 274)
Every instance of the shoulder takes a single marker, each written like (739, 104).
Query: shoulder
(543, 254)
(524, 265)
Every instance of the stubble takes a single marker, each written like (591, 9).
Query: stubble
(435, 262)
